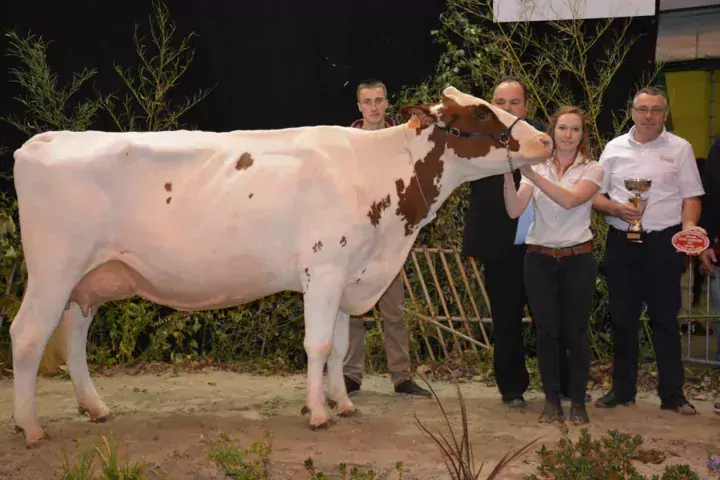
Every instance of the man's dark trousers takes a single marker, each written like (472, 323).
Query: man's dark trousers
(506, 289)
(651, 272)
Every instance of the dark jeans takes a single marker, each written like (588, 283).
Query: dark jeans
(560, 291)
(648, 272)
(506, 291)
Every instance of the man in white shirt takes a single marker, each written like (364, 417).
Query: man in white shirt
(649, 271)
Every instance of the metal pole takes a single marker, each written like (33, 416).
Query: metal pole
(713, 101)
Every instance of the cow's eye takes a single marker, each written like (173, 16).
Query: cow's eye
(481, 115)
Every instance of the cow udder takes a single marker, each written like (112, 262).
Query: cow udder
(110, 281)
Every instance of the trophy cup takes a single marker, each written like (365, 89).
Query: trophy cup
(637, 186)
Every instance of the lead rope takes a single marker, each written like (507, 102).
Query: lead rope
(506, 144)
(427, 205)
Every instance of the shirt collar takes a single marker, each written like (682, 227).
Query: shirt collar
(662, 137)
(579, 159)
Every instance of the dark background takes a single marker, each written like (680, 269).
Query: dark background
(273, 63)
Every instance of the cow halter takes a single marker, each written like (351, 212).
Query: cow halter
(503, 137)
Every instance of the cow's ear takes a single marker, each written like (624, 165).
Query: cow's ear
(418, 115)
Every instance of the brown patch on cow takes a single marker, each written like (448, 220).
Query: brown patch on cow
(251, 195)
(475, 118)
(343, 241)
(376, 209)
(317, 247)
(167, 200)
(168, 187)
(244, 162)
(416, 198)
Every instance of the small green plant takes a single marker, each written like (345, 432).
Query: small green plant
(677, 472)
(81, 469)
(312, 471)
(456, 450)
(354, 473)
(611, 456)
(608, 457)
(253, 463)
(110, 468)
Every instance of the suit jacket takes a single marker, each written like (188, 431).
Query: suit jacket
(489, 232)
(710, 216)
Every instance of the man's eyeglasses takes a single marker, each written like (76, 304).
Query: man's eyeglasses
(653, 110)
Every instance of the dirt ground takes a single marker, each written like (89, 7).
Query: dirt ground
(166, 419)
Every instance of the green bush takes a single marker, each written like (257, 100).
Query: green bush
(611, 456)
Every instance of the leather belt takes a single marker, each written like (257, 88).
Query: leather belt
(578, 249)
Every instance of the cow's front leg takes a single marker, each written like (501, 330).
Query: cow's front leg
(336, 383)
(322, 299)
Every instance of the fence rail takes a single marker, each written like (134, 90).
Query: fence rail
(699, 316)
(448, 309)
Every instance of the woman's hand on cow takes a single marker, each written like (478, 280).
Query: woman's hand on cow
(527, 172)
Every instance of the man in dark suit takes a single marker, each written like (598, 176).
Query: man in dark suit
(710, 216)
(710, 221)
(498, 241)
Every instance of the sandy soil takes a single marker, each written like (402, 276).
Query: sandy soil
(167, 419)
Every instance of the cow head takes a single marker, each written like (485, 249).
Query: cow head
(485, 140)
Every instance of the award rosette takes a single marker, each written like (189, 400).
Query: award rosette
(691, 241)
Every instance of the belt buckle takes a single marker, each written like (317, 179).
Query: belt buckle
(555, 253)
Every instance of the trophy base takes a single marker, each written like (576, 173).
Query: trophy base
(635, 236)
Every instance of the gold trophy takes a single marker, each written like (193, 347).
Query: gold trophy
(637, 186)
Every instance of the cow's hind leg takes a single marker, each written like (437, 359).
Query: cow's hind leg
(340, 341)
(76, 328)
(30, 331)
(322, 300)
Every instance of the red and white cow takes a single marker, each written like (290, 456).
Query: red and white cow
(200, 220)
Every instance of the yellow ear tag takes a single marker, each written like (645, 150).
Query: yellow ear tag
(415, 122)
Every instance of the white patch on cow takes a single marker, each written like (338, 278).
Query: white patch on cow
(435, 109)
(463, 99)
(494, 163)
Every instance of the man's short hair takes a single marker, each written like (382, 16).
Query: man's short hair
(511, 79)
(370, 83)
(653, 91)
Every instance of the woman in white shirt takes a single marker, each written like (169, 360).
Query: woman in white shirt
(560, 267)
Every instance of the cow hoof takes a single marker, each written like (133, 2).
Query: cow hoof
(348, 411)
(32, 435)
(103, 418)
(321, 424)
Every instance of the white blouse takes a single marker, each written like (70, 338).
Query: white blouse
(553, 226)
